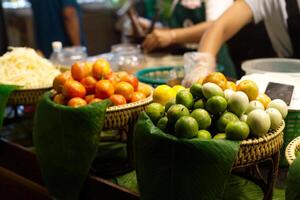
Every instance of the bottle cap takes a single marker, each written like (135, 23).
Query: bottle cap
(56, 45)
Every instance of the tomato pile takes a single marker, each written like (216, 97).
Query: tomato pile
(89, 82)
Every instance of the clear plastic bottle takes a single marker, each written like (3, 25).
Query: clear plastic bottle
(56, 57)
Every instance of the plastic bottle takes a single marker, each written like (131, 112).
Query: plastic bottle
(56, 57)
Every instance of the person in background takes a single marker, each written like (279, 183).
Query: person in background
(281, 18)
(188, 21)
(3, 36)
(57, 20)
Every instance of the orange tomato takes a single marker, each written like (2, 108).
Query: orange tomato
(89, 83)
(101, 68)
(231, 85)
(125, 89)
(117, 99)
(132, 80)
(104, 89)
(73, 88)
(264, 99)
(80, 70)
(137, 96)
(249, 87)
(60, 80)
(89, 98)
(217, 78)
(95, 100)
(76, 102)
(144, 88)
(59, 99)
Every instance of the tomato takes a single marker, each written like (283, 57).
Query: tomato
(76, 102)
(73, 88)
(80, 70)
(117, 99)
(113, 77)
(95, 100)
(60, 80)
(89, 98)
(89, 83)
(137, 96)
(101, 68)
(104, 89)
(59, 99)
(144, 88)
(125, 89)
(132, 80)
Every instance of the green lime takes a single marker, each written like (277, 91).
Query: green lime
(216, 104)
(220, 136)
(168, 105)
(162, 124)
(185, 98)
(199, 104)
(225, 119)
(196, 90)
(176, 111)
(155, 111)
(202, 117)
(186, 127)
(204, 135)
(237, 130)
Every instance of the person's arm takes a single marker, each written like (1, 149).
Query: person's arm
(72, 25)
(236, 17)
(165, 37)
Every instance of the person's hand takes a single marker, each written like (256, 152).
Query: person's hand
(159, 38)
(202, 65)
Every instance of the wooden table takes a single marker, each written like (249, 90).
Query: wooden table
(20, 178)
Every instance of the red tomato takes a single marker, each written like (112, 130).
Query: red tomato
(104, 89)
(60, 80)
(137, 96)
(101, 68)
(117, 99)
(89, 83)
(60, 99)
(95, 100)
(73, 88)
(125, 89)
(132, 80)
(76, 102)
(80, 70)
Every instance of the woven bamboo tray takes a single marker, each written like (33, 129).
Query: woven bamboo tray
(291, 149)
(26, 96)
(257, 149)
(119, 117)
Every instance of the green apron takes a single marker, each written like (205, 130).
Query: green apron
(179, 17)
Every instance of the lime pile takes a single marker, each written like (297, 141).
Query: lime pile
(215, 109)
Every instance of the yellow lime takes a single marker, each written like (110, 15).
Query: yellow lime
(178, 88)
(163, 94)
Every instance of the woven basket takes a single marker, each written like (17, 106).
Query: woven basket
(291, 149)
(26, 96)
(118, 117)
(258, 149)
